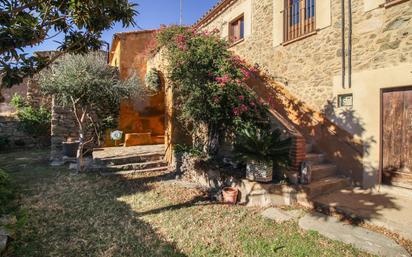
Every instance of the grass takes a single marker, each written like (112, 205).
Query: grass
(145, 215)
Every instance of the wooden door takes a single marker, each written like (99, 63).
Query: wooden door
(397, 137)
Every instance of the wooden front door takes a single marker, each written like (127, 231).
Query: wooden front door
(397, 137)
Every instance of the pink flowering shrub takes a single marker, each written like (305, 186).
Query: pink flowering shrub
(210, 83)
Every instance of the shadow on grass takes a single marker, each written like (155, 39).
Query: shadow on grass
(79, 215)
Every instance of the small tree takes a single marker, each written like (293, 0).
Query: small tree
(88, 85)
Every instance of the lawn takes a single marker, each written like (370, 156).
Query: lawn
(144, 215)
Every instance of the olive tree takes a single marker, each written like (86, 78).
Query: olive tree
(89, 86)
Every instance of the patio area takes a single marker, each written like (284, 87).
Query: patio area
(390, 207)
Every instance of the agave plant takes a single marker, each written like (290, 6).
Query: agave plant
(254, 144)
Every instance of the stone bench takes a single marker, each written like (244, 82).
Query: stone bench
(133, 139)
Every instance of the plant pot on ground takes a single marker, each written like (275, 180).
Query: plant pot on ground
(70, 148)
(230, 195)
(261, 150)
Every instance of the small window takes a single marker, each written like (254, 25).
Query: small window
(299, 18)
(237, 29)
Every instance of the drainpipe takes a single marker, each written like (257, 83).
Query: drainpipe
(343, 44)
(350, 44)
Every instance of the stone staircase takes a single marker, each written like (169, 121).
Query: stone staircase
(116, 161)
(325, 180)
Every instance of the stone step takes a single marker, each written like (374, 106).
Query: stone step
(315, 158)
(130, 172)
(325, 186)
(134, 166)
(148, 157)
(321, 171)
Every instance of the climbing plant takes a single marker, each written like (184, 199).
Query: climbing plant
(210, 83)
(152, 81)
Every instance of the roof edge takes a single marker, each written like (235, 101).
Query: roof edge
(212, 12)
(134, 32)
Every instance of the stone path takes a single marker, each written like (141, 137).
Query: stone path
(279, 215)
(123, 152)
(389, 208)
(360, 238)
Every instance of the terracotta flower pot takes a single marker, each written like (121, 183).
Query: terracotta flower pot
(230, 195)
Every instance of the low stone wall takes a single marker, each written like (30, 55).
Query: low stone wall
(17, 139)
(206, 173)
(213, 176)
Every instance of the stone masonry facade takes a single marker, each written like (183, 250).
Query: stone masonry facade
(381, 37)
(313, 73)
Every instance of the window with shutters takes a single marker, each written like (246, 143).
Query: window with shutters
(237, 29)
(299, 18)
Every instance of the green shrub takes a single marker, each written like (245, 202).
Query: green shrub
(193, 151)
(33, 121)
(17, 101)
(210, 84)
(152, 81)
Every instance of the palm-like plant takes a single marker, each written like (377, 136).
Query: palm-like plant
(254, 144)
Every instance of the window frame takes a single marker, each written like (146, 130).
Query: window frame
(305, 26)
(241, 35)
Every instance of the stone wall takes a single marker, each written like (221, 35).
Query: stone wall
(63, 125)
(9, 124)
(17, 139)
(381, 37)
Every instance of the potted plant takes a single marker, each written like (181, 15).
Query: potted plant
(262, 150)
(70, 147)
(230, 195)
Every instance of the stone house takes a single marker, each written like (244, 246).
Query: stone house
(141, 121)
(339, 72)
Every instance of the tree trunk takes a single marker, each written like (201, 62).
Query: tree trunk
(213, 140)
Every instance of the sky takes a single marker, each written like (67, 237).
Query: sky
(152, 14)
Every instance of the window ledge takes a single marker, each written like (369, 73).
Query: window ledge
(237, 42)
(392, 3)
(300, 38)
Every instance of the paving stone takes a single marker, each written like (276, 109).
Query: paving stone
(278, 215)
(360, 238)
